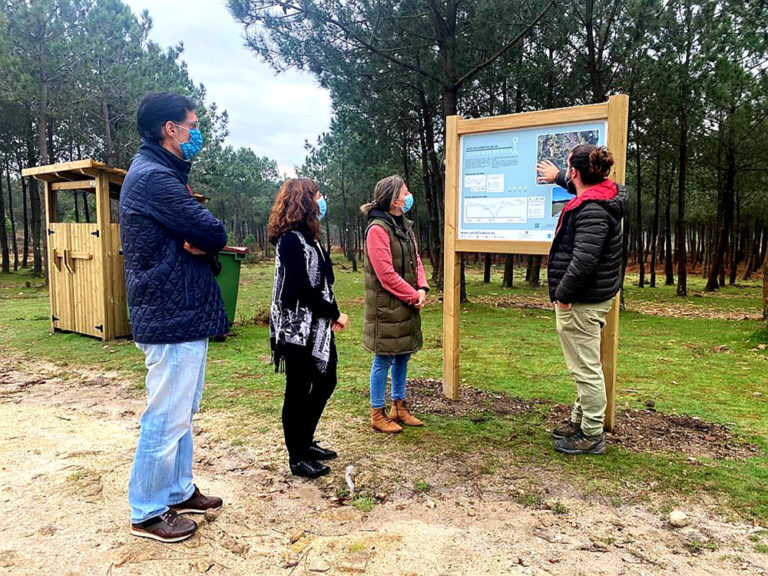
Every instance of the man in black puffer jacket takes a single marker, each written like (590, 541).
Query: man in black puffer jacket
(584, 275)
(175, 303)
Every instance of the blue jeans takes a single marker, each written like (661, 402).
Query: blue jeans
(379, 371)
(162, 467)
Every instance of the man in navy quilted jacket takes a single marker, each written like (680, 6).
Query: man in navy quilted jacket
(175, 304)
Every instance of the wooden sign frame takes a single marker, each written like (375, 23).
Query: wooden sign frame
(615, 113)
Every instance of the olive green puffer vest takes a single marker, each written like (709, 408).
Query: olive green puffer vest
(392, 327)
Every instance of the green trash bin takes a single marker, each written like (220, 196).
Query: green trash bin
(228, 279)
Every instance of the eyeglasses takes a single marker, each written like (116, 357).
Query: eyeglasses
(192, 125)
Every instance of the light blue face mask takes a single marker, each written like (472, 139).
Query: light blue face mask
(194, 145)
(322, 205)
(408, 203)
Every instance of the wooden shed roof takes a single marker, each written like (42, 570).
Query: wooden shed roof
(71, 171)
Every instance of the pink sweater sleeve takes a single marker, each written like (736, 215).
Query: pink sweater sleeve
(421, 279)
(377, 246)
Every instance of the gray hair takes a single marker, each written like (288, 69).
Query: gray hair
(385, 190)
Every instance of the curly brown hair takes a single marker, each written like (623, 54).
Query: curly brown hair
(294, 208)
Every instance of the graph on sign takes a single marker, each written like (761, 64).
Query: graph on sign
(500, 197)
(490, 210)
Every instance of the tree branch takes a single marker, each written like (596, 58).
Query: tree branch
(330, 20)
(504, 48)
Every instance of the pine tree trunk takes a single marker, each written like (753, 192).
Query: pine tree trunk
(12, 216)
(765, 287)
(533, 274)
(716, 276)
(509, 269)
(655, 225)
(36, 217)
(668, 264)
(680, 248)
(754, 252)
(5, 262)
(25, 215)
(86, 207)
(684, 97)
(639, 221)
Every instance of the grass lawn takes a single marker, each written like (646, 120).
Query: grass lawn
(706, 368)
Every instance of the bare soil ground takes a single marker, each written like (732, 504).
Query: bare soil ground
(66, 445)
(650, 431)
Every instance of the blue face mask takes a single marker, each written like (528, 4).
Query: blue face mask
(408, 203)
(322, 205)
(193, 146)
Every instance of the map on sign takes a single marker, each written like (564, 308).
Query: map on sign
(499, 195)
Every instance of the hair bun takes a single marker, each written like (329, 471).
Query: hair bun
(600, 161)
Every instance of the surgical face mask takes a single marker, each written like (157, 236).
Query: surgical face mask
(194, 145)
(322, 205)
(408, 203)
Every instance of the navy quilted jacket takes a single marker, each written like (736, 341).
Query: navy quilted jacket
(172, 295)
(586, 257)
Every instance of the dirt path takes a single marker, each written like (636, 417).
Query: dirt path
(66, 444)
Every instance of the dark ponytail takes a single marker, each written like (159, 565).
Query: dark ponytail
(594, 163)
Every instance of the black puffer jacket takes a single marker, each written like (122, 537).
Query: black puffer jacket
(586, 255)
(173, 296)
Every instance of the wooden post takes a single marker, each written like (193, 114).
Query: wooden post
(609, 349)
(452, 266)
(103, 288)
(50, 206)
(618, 116)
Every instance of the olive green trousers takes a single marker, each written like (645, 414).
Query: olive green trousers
(580, 328)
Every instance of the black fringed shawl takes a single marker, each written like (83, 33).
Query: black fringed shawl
(303, 304)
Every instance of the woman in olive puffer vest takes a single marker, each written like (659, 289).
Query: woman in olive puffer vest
(395, 291)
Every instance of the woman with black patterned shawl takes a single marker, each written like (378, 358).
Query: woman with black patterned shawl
(303, 317)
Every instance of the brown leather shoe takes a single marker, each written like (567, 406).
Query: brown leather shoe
(168, 527)
(566, 430)
(381, 422)
(198, 503)
(400, 413)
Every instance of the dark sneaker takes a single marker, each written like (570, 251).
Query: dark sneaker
(198, 503)
(580, 443)
(317, 452)
(566, 430)
(168, 527)
(309, 468)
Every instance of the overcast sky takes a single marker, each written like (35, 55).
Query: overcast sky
(271, 114)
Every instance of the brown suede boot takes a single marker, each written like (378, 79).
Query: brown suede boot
(400, 413)
(380, 421)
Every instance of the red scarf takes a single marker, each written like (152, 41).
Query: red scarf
(606, 190)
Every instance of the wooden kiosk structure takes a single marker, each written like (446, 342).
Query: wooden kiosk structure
(612, 117)
(85, 267)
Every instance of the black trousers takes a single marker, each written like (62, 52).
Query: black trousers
(306, 392)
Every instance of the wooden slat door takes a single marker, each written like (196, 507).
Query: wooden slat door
(88, 283)
(117, 304)
(61, 280)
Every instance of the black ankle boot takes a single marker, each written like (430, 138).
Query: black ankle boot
(317, 452)
(309, 468)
